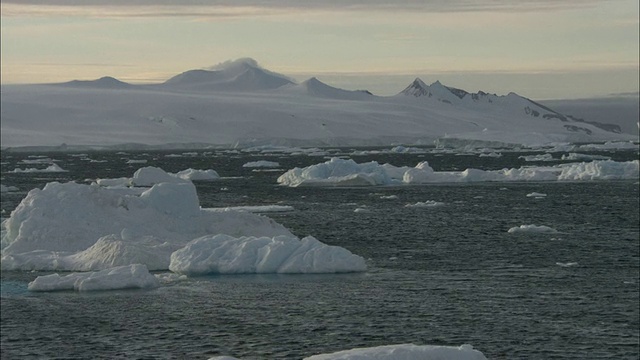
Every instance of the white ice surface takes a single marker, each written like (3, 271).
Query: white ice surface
(5, 189)
(49, 169)
(223, 254)
(340, 172)
(425, 204)
(77, 227)
(122, 277)
(148, 176)
(405, 352)
(532, 229)
(397, 352)
(261, 164)
(255, 208)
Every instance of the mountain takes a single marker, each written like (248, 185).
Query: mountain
(106, 82)
(239, 75)
(317, 88)
(241, 103)
(491, 102)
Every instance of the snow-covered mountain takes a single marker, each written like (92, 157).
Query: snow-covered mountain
(492, 102)
(105, 82)
(240, 103)
(316, 88)
(239, 75)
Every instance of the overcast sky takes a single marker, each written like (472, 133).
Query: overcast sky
(541, 49)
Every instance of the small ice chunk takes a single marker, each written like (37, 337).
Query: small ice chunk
(567, 264)
(193, 174)
(425, 204)
(532, 229)
(261, 164)
(536, 195)
(50, 169)
(4, 189)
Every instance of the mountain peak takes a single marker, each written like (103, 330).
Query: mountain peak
(106, 82)
(417, 88)
(243, 74)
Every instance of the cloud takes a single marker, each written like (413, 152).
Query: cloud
(243, 8)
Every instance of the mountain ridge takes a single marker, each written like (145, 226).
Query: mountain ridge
(239, 102)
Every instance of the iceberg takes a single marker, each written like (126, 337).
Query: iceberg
(133, 276)
(78, 227)
(340, 172)
(224, 254)
(148, 176)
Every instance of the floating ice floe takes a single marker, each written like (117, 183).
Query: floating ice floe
(532, 229)
(261, 164)
(78, 227)
(567, 264)
(53, 168)
(148, 176)
(198, 175)
(491, 154)
(340, 172)
(44, 160)
(255, 208)
(536, 195)
(389, 197)
(133, 276)
(397, 352)
(425, 204)
(5, 189)
(405, 352)
(583, 157)
(224, 254)
(541, 157)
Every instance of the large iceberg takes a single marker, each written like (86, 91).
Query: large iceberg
(340, 172)
(78, 227)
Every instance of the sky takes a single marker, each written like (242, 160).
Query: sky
(542, 49)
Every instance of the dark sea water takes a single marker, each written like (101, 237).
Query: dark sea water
(446, 275)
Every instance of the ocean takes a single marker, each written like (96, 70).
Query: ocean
(443, 275)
